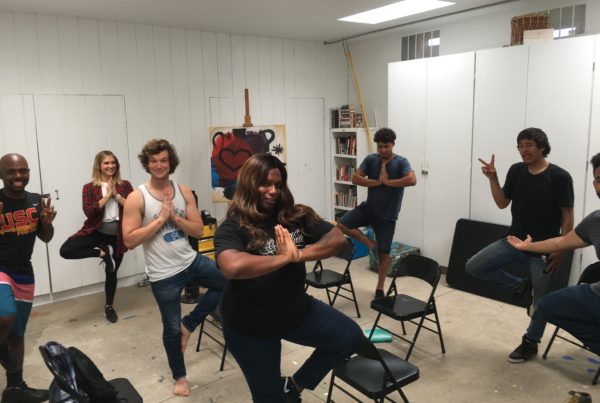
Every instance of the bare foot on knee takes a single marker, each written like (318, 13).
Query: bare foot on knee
(181, 387)
(185, 336)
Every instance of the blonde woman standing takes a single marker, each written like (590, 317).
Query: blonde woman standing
(103, 199)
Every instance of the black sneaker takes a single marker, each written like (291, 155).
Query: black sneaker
(24, 394)
(379, 294)
(111, 314)
(290, 392)
(108, 258)
(526, 351)
(522, 291)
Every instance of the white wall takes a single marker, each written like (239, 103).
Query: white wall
(168, 77)
(482, 29)
(176, 84)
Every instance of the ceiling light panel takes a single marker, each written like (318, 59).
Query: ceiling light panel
(395, 11)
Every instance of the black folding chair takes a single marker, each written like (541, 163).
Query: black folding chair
(214, 319)
(376, 373)
(403, 307)
(65, 385)
(590, 275)
(332, 281)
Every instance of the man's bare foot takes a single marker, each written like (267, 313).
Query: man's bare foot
(185, 336)
(181, 387)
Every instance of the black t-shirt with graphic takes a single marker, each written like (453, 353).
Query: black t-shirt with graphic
(276, 302)
(537, 200)
(18, 229)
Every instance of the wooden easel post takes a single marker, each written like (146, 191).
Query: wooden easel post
(247, 117)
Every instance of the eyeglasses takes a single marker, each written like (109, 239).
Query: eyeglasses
(20, 171)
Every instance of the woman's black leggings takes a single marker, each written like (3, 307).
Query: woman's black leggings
(85, 246)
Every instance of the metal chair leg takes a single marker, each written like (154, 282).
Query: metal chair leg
(200, 332)
(439, 327)
(550, 343)
(223, 356)
(330, 392)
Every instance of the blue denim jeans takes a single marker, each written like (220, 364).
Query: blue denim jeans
(575, 309)
(487, 264)
(167, 293)
(333, 335)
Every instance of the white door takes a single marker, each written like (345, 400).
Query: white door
(448, 151)
(559, 94)
(499, 116)
(71, 129)
(17, 135)
(306, 137)
(430, 105)
(592, 203)
(407, 116)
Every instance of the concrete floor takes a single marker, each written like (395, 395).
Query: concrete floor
(479, 334)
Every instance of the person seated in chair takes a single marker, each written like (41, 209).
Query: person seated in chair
(575, 309)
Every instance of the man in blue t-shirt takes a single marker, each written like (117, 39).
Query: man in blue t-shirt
(575, 309)
(385, 174)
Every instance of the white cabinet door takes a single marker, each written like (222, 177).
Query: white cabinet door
(430, 107)
(591, 199)
(448, 151)
(17, 135)
(71, 129)
(559, 93)
(499, 116)
(305, 135)
(407, 116)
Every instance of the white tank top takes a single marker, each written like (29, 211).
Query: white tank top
(168, 251)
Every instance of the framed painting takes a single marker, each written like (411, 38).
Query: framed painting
(231, 147)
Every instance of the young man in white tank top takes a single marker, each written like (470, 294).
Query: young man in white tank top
(159, 215)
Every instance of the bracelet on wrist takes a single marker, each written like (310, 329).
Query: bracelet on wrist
(299, 255)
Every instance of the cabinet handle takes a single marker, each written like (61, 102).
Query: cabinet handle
(424, 164)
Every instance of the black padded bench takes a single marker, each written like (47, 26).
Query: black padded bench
(472, 236)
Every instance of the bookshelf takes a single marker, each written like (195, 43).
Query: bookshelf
(349, 146)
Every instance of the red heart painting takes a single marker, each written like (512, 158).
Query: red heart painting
(233, 161)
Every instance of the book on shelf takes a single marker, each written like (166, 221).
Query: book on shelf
(344, 173)
(346, 117)
(346, 199)
(346, 145)
(335, 118)
(358, 120)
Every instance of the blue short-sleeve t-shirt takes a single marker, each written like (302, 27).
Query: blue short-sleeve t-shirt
(385, 201)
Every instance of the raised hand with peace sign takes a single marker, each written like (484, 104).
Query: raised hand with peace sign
(488, 168)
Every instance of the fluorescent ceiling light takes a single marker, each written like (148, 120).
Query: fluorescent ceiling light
(395, 11)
